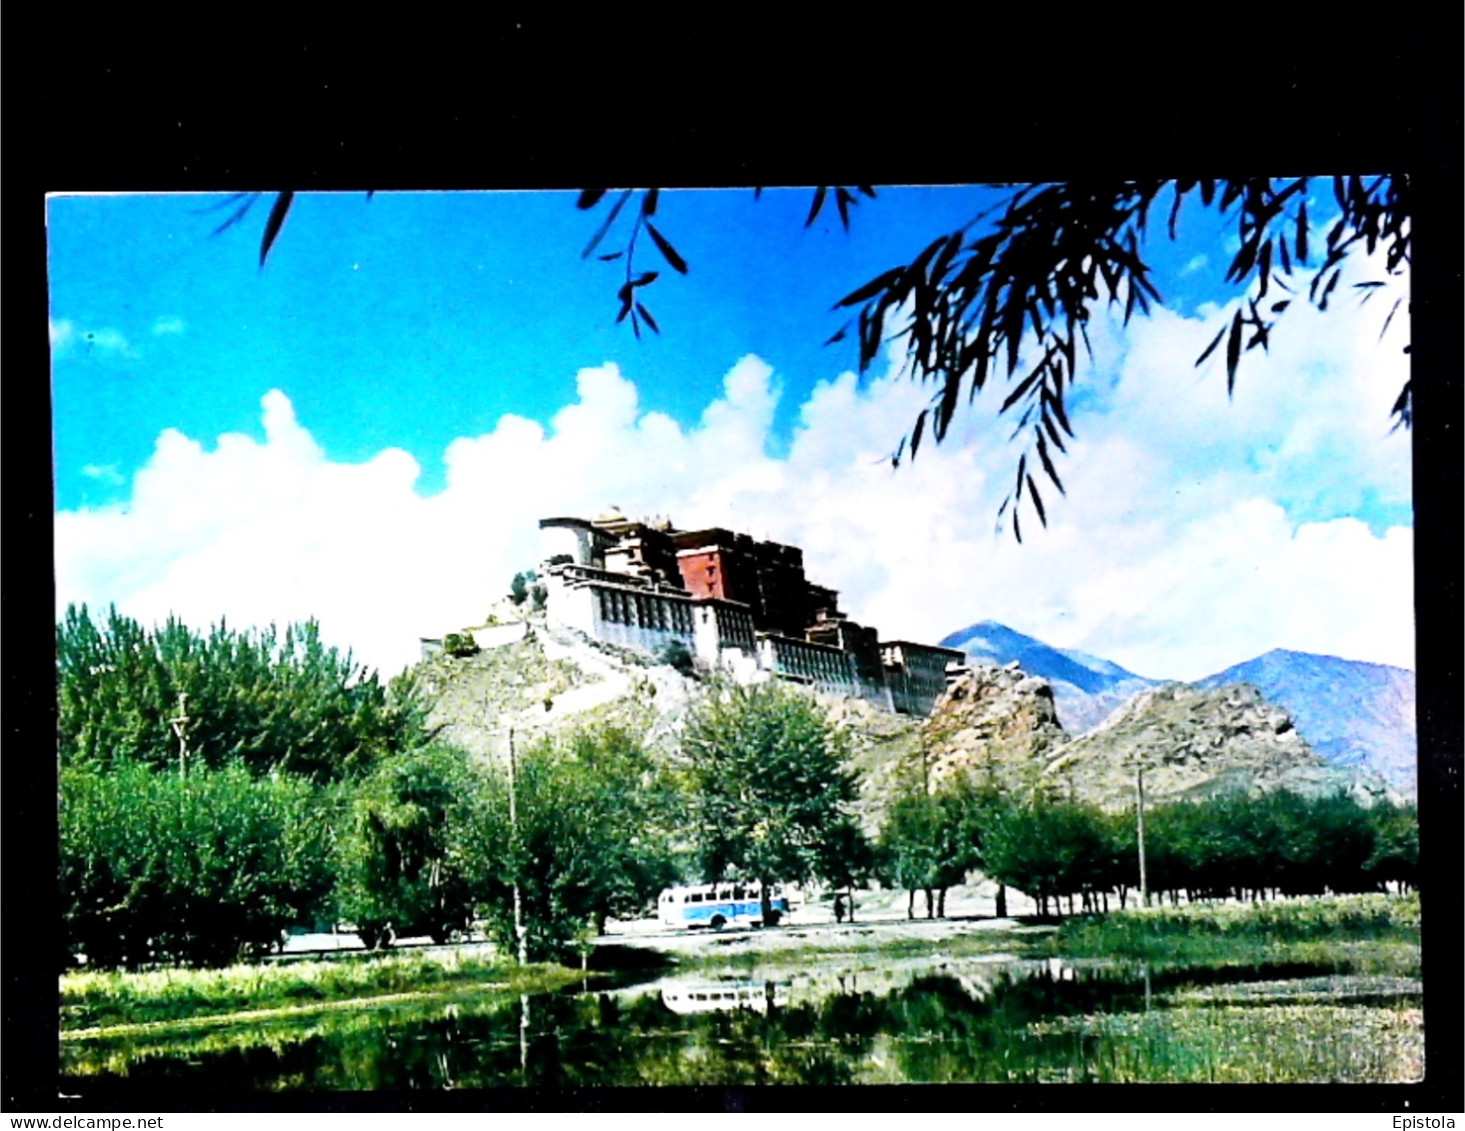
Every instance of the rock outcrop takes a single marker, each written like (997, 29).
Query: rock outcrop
(1192, 742)
(998, 725)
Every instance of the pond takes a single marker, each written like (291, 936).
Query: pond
(880, 1021)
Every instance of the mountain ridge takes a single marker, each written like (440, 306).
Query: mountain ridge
(1354, 714)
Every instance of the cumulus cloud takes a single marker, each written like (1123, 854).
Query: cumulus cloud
(168, 324)
(1195, 532)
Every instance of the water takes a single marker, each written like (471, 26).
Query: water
(884, 1021)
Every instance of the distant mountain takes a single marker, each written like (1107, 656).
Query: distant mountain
(1086, 689)
(1353, 714)
(1357, 716)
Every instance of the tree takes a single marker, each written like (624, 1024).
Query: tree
(929, 842)
(202, 870)
(405, 861)
(596, 816)
(1010, 293)
(770, 792)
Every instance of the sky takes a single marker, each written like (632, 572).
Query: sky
(367, 429)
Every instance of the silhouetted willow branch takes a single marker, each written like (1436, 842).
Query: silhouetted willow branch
(971, 307)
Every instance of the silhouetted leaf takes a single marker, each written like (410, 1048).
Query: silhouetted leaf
(589, 198)
(649, 201)
(870, 289)
(842, 200)
(239, 213)
(646, 314)
(917, 430)
(669, 253)
(1037, 501)
(608, 257)
(1404, 406)
(274, 223)
(1233, 352)
(1210, 349)
(837, 336)
(605, 226)
(369, 194)
(1016, 394)
(819, 194)
(867, 190)
(1278, 307)
(1048, 464)
(1302, 232)
(1392, 311)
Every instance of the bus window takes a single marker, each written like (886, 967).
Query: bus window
(738, 892)
(696, 897)
(724, 894)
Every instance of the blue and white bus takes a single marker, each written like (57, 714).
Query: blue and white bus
(728, 904)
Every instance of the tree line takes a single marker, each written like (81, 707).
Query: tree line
(1233, 846)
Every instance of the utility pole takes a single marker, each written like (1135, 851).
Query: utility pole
(519, 933)
(1139, 821)
(180, 728)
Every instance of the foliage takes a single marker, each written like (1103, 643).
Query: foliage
(460, 644)
(1231, 846)
(199, 870)
(407, 861)
(271, 703)
(771, 793)
(596, 815)
(677, 655)
(1047, 850)
(526, 586)
(931, 840)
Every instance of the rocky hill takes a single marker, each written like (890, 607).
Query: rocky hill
(998, 725)
(551, 681)
(1356, 716)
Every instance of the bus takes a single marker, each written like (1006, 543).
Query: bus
(728, 904)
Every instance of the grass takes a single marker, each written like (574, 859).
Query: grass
(1373, 934)
(104, 999)
(1286, 1044)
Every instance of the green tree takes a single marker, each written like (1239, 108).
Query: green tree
(202, 870)
(1395, 857)
(770, 787)
(1048, 850)
(930, 841)
(408, 859)
(596, 815)
(273, 703)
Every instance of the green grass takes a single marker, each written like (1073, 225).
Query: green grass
(1367, 933)
(116, 998)
(1236, 1044)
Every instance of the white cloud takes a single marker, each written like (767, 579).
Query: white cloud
(107, 473)
(1196, 532)
(1195, 264)
(168, 324)
(67, 338)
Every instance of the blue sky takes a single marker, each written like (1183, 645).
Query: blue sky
(410, 381)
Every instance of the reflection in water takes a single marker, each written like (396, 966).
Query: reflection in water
(928, 1020)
